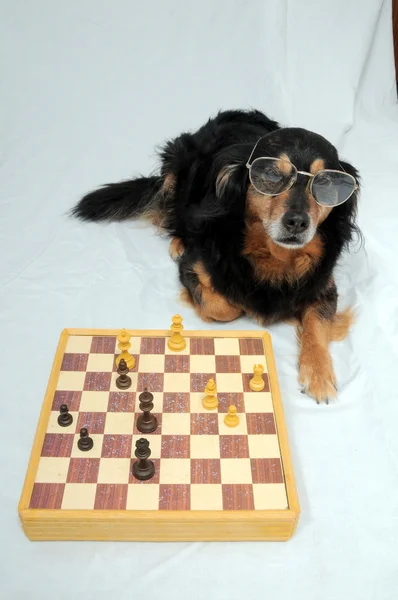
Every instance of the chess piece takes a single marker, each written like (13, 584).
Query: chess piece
(124, 344)
(146, 423)
(210, 401)
(176, 341)
(143, 468)
(123, 381)
(257, 382)
(85, 442)
(231, 419)
(65, 418)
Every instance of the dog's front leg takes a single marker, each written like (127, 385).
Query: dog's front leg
(316, 373)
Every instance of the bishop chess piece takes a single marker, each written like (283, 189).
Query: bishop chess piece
(143, 468)
(176, 341)
(65, 418)
(123, 381)
(231, 419)
(257, 382)
(210, 401)
(124, 344)
(85, 442)
(146, 423)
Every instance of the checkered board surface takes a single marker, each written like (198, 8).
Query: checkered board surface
(200, 463)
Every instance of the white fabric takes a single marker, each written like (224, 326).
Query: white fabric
(89, 89)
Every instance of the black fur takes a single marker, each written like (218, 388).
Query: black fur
(209, 217)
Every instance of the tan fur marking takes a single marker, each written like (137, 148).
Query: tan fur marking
(222, 178)
(169, 183)
(275, 264)
(316, 373)
(176, 248)
(317, 165)
(284, 164)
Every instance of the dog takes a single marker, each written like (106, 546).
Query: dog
(258, 215)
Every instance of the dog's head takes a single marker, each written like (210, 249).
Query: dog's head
(293, 180)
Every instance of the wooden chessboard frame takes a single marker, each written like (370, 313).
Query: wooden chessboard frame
(160, 525)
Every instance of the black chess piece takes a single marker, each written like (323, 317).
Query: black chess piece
(123, 381)
(143, 468)
(85, 442)
(146, 423)
(65, 418)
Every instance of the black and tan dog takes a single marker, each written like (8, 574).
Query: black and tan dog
(258, 216)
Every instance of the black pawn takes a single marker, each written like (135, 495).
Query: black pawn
(146, 423)
(85, 443)
(143, 468)
(123, 381)
(65, 418)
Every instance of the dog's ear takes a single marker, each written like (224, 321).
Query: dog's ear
(231, 185)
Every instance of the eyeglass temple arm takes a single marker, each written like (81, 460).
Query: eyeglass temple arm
(252, 152)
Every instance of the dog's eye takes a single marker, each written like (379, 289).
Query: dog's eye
(272, 175)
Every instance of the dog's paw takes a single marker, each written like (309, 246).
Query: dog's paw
(316, 376)
(176, 248)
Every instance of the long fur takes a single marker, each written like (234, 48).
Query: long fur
(200, 196)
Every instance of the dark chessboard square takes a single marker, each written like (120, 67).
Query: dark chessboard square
(176, 402)
(174, 496)
(246, 380)
(93, 421)
(83, 470)
(71, 399)
(158, 416)
(74, 362)
(47, 495)
(57, 444)
(234, 446)
(121, 402)
(116, 446)
(258, 423)
(175, 446)
(204, 424)
(228, 364)
(251, 346)
(152, 345)
(202, 346)
(152, 381)
(225, 400)
(97, 382)
(199, 381)
(266, 470)
(103, 344)
(237, 496)
(111, 496)
(176, 363)
(205, 470)
(155, 478)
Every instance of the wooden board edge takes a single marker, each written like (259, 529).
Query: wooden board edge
(42, 423)
(279, 412)
(166, 332)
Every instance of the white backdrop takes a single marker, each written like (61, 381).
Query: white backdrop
(88, 90)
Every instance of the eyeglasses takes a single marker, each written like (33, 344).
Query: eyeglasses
(273, 176)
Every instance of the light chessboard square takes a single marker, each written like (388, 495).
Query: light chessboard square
(52, 470)
(94, 401)
(176, 382)
(240, 429)
(143, 496)
(78, 344)
(95, 451)
(202, 363)
(236, 470)
(119, 423)
(71, 380)
(269, 496)
(151, 363)
(226, 346)
(155, 445)
(79, 496)
(53, 426)
(176, 424)
(229, 382)
(100, 362)
(247, 362)
(134, 378)
(263, 446)
(114, 470)
(258, 402)
(206, 496)
(205, 446)
(175, 470)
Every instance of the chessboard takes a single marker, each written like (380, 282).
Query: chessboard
(210, 481)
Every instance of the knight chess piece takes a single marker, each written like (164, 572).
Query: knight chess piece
(143, 468)
(65, 418)
(146, 423)
(257, 382)
(85, 442)
(123, 382)
(176, 341)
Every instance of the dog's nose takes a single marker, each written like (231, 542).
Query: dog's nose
(296, 222)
